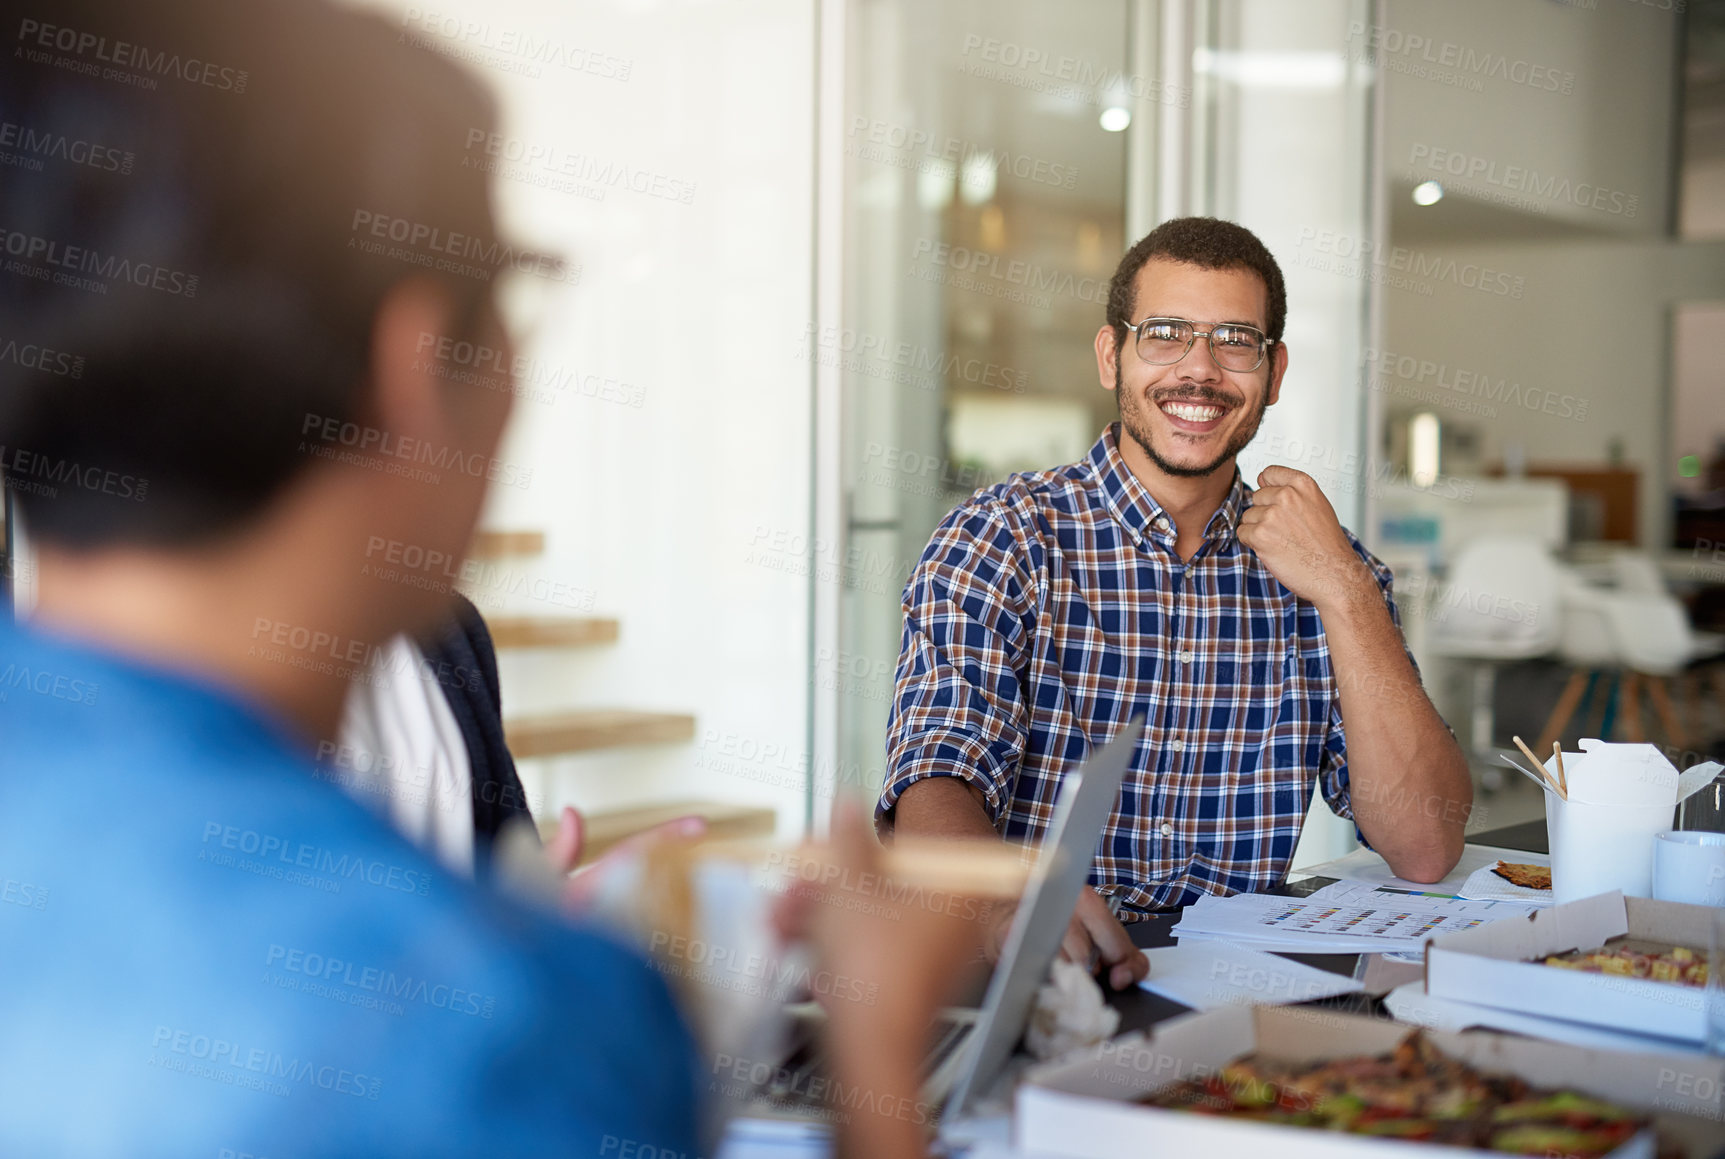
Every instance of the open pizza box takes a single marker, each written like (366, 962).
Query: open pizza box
(1498, 965)
(1085, 1106)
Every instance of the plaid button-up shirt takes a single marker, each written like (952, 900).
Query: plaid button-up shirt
(1050, 609)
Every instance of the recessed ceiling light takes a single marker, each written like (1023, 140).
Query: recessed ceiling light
(1115, 119)
(1428, 193)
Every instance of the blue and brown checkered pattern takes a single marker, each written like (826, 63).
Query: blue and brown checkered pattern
(1050, 609)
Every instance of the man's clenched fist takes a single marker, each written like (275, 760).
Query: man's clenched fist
(1294, 530)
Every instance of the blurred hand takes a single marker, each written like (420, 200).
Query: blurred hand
(907, 955)
(564, 851)
(1094, 939)
(908, 959)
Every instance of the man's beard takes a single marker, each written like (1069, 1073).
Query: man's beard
(1132, 421)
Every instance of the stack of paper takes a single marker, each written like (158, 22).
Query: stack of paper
(1348, 917)
(1210, 974)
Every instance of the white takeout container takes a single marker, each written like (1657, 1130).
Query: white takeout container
(1084, 1106)
(1621, 796)
(1689, 867)
(1498, 964)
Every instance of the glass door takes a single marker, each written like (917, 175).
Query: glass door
(985, 186)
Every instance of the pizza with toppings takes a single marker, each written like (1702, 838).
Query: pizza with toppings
(1677, 964)
(1415, 1092)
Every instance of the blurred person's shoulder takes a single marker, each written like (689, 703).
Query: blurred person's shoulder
(243, 957)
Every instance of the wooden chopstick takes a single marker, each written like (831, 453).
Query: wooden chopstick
(1562, 780)
(985, 869)
(991, 869)
(1540, 765)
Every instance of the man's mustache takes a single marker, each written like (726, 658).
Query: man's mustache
(1194, 394)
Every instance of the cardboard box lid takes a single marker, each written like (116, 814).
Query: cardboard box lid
(1495, 965)
(1592, 921)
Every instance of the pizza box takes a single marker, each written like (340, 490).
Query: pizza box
(1491, 965)
(1084, 1105)
(1411, 1004)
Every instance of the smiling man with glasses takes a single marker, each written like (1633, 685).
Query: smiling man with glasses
(1256, 635)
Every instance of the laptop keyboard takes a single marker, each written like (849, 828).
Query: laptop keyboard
(800, 1083)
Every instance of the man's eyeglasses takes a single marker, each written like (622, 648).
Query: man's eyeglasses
(1164, 341)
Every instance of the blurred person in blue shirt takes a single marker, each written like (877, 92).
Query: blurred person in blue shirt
(245, 232)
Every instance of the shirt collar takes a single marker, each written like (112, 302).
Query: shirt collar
(1137, 510)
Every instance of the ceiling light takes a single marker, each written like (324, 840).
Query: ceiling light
(1115, 118)
(1428, 193)
(934, 184)
(1250, 68)
(977, 178)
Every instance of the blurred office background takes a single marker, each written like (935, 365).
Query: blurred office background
(841, 262)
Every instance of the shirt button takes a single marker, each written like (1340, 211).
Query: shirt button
(1185, 656)
(1161, 524)
(1177, 745)
(1167, 829)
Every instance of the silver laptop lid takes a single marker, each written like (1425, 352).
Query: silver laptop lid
(1086, 797)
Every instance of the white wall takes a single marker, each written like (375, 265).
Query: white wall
(1548, 103)
(1291, 129)
(1593, 323)
(664, 509)
(1582, 93)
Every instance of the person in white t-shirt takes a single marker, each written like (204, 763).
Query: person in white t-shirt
(413, 730)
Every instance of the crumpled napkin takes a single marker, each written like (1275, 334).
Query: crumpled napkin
(1070, 1012)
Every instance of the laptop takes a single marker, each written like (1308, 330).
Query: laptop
(975, 1047)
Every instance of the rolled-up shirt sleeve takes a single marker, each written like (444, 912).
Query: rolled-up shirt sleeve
(958, 694)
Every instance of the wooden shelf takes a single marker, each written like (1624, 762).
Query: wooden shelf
(585, 730)
(551, 632)
(492, 544)
(606, 829)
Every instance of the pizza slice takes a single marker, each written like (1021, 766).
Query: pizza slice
(1524, 875)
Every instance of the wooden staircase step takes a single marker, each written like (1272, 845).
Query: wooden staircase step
(551, 632)
(607, 828)
(491, 544)
(584, 730)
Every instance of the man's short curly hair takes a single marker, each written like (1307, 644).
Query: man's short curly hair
(1207, 242)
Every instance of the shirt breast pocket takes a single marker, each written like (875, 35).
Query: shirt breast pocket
(1254, 685)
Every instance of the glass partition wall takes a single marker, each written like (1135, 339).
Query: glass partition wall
(985, 211)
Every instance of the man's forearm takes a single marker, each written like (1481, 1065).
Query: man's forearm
(942, 807)
(1409, 782)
